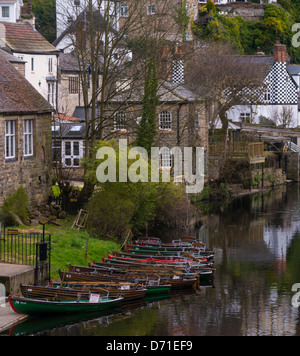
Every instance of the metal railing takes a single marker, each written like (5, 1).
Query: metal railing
(24, 248)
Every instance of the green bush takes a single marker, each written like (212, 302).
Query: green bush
(16, 204)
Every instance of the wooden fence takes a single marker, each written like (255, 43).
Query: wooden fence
(238, 149)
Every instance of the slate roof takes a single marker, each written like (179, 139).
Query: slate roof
(294, 69)
(68, 63)
(23, 38)
(10, 57)
(68, 131)
(17, 95)
(257, 66)
(168, 92)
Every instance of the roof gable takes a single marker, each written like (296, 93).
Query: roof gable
(17, 95)
(21, 37)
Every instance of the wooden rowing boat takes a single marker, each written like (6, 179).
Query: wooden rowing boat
(30, 306)
(174, 281)
(137, 269)
(182, 257)
(209, 255)
(153, 288)
(181, 242)
(124, 290)
(195, 252)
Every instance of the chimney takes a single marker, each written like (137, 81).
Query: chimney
(280, 53)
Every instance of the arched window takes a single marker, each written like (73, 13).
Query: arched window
(165, 121)
(165, 158)
(120, 121)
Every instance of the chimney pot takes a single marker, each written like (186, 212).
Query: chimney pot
(280, 52)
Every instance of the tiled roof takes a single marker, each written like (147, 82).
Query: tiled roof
(10, 57)
(168, 92)
(21, 37)
(69, 131)
(68, 62)
(17, 95)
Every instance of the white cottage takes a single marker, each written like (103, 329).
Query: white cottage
(40, 57)
(280, 102)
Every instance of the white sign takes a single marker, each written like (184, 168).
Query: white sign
(94, 298)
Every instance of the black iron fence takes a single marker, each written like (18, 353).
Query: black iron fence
(70, 205)
(24, 248)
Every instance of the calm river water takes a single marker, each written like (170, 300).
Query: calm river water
(257, 260)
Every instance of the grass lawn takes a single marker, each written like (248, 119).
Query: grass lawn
(69, 245)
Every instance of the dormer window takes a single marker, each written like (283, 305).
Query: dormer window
(5, 11)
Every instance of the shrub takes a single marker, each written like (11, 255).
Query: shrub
(15, 205)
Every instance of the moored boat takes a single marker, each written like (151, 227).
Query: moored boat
(128, 291)
(30, 306)
(175, 281)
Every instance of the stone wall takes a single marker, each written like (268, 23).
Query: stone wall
(248, 11)
(33, 172)
(292, 165)
(184, 133)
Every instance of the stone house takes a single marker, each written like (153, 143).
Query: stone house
(41, 58)
(70, 99)
(181, 119)
(157, 18)
(25, 132)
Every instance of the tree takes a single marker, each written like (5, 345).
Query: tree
(109, 67)
(44, 11)
(134, 205)
(227, 80)
(147, 127)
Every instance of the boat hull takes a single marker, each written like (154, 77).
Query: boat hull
(30, 306)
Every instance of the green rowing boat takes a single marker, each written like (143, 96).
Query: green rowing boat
(30, 306)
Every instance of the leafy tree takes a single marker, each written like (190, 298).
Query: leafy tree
(45, 13)
(115, 207)
(16, 205)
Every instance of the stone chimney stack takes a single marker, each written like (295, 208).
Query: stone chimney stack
(280, 52)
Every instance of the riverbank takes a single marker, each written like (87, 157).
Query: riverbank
(243, 192)
(71, 246)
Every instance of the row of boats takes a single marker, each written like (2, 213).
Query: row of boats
(147, 269)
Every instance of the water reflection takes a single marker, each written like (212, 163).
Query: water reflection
(257, 263)
(257, 248)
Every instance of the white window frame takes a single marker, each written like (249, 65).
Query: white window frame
(120, 121)
(51, 93)
(50, 65)
(28, 138)
(3, 8)
(165, 120)
(32, 64)
(151, 9)
(165, 158)
(73, 155)
(124, 10)
(10, 139)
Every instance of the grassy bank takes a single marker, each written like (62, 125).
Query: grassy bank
(69, 245)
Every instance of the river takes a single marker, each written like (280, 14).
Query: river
(257, 259)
